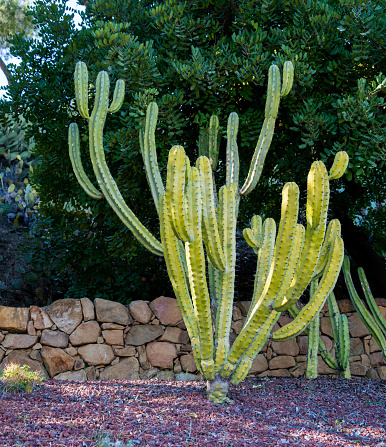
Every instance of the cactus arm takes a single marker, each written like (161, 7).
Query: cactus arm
(214, 127)
(334, 314)
(257, 228)
(333, 230)
(178, 201)
(232, 161)
(244, 365)
(326, 285)
(81, 88)
(312, 349)
(119, 96)
(364, 314)
(266, 134)
(264, 261)
(213, 244)
(326, 356)
(378, 317)
(288, 78)
(197, 278)
(74, 150)
(339, 166)
(106, 182)
(344, 346)
(228, 219)
(314, 236)
(176, 272)
(149, 154)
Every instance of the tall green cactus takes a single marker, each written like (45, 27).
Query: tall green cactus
(373, 319)
(198, 232)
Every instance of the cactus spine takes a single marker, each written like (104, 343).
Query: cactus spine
(198, 233)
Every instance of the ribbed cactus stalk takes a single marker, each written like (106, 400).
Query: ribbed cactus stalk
(198, 232)
(375, 322)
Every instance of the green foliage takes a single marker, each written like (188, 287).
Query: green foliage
(13, 142)
(202, 58)
(16, 379)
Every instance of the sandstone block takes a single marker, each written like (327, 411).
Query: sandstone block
(111, 312)
(125, 352)
(72, 376)
(113, 337)
(14, 319)
(365, 360)
(302, 341)
(19, 341)
(31, 328)
(237, 326)
(41, 320)
(149, 374)
(140, 311)
(376, 359)
(166, 310)
(243, 306)
(126, 369)
(188, 364)
(356, 347)
(2, 336)
(66, 314)
(56, 360)
(357, 369)
(111, 326)
(381, 370)
(259, 364)
(96, 354)
(55, 339)
(373, 345)
(165, 375)
(356, 327)
(299, 371)
(35, 355)
(345, 306)
(327, 342)
(79, 364)
(85, 333)
(236, 314)
(185, 377)
(281, 362)
(325, 326)
(141, 334)
(87, 309)
(71, 351)
(90, 373)
(142, 357)
(21, 358)
(289, 347)
(175, 335)
(372, 374)
(161, 354)
(323, 368)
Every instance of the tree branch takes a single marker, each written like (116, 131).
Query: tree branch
(4, 68)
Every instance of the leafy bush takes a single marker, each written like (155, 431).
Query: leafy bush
(16, 379)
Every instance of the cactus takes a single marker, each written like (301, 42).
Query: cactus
(13, 142)
(198, 233)
(375, 323)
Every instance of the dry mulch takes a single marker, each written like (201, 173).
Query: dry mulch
(262, 412)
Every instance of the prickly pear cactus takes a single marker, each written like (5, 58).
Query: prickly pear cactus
(198, 231)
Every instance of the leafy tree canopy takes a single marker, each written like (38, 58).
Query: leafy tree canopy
(197, 58)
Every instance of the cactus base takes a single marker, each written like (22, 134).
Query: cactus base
(217, 389)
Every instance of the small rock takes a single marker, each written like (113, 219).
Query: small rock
(141, 334)
(376, 359)
(85, 333)
(41, 320)
(140, 311)
(187, 363)
(66, 314)
(185, 377)
(166, 310)
(282, 362)
(56, 360)
(356, 327)
(325, 326)
(175, 335)
(87, 309)
(96, 354)
(113, 337)
(30, 328)
(357, 369)
(243, 306)
(14, 319)
(35, 355)
(71, 351)
(56, 339)
(236, 314)
(111, 312)
(72, 376)
(90, 373)
(125, 352)
(372, 374)
(79, 364)
(126, 369)
(356, 347)
(149, 374)
(381, 370)
(161, 354)
(165, 375)
(19, 341)
(37, 346)
(112, 326)
(288, 347)
(259, 364)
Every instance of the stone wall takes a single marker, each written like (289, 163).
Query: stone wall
(80, 340)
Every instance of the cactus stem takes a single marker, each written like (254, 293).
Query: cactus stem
(217, 389)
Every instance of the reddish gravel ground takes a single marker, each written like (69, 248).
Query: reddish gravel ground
(262, 412)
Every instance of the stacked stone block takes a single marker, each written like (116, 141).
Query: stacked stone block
(76, 339)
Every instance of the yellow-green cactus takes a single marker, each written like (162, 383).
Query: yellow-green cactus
(198, 232)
